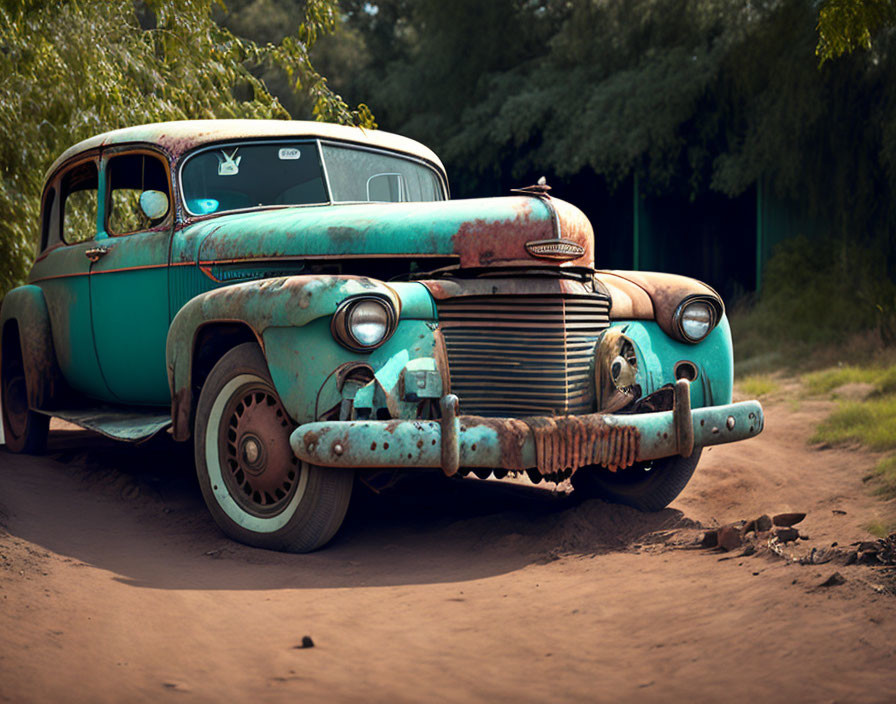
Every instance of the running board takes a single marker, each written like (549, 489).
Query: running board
(117, 424)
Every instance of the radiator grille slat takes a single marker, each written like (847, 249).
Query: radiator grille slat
(523, 355)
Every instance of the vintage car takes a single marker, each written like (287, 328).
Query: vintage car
(305, 303)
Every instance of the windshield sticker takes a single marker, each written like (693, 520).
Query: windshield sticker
(228, 165)
(290, 153)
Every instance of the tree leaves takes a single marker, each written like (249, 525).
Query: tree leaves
(846, 25)
(75, 68)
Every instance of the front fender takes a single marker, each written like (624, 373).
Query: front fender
(286, 303)
(658, 354)
(26, 307)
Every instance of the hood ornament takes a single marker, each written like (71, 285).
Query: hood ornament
(555, 249)
(537, 189)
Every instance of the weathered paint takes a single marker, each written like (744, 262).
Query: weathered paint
(302, 361)
(63, 278)
(547, 444)
(131, 425)
(129, 285)
(658, 354)
(481, 232)
(280, 312)
(110, 317)
(178, 137)
(26, 308)
(442, 289)
(666, 292)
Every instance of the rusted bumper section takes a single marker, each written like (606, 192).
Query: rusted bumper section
(548, 444)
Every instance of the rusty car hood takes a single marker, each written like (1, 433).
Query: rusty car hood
(484, 232)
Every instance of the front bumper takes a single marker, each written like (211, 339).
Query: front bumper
(549, 444)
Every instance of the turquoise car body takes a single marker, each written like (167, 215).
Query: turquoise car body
(118, 332)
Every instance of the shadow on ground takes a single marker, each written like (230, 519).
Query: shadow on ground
(136, 511)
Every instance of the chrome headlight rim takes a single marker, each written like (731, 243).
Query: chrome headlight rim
(340, 324)
(714, 307)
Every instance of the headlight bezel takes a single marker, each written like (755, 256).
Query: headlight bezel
(678, 317)
(340, 325)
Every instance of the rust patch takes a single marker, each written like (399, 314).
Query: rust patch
(630, 301)
(311, 440)
(442, 289)
(512, 435)
(563, 444)
(440, 353)
(180, 414)
(484, 243)
(666, 292)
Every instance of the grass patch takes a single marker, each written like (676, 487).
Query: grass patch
(879, 528)
(871, 422)
(759, 385)
(882, 378)
(884, 477)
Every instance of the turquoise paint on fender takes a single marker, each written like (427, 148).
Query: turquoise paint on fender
(416, 301)
(658, 353)
(301, 359)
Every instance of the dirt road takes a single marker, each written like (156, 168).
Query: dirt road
(115, 586)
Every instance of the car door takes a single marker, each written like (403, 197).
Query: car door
(129, 280)
(70, 216)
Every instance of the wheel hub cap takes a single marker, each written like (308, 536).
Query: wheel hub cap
(258, 465)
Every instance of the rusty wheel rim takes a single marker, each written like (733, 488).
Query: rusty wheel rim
(15, 401)
(257, 464)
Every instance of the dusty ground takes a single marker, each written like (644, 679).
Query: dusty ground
(115, 586)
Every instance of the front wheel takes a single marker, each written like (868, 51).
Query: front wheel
(258, 492)
(646, 486)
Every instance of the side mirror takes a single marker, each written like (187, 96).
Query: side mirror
(154, 204)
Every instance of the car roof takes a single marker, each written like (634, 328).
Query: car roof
(180, 136)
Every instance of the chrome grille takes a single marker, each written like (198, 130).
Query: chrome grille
(523, 355)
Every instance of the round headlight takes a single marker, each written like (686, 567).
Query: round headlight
(696, 320)
(363, 323)
(368, 322)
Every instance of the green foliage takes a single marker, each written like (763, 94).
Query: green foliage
(691, 95)
(846, 25)
(882, 378)
(884, 477)
(76, 68)
(757, 385)
(869, 422)
(880, 528)
(816, 294)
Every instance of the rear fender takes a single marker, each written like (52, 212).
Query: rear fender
(24, 311)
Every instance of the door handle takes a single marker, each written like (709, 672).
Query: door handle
(96, 253)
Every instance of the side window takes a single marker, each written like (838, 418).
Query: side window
(130, 176)
(79, 202)
(46, 237)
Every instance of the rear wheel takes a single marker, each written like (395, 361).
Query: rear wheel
(25, 431)
(646, 486)
(258, 492)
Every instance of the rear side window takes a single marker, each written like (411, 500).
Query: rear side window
(130, 175)
(79, 203)
(46, 236)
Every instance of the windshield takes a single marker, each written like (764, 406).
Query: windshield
(258, 174)
(251, 175)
